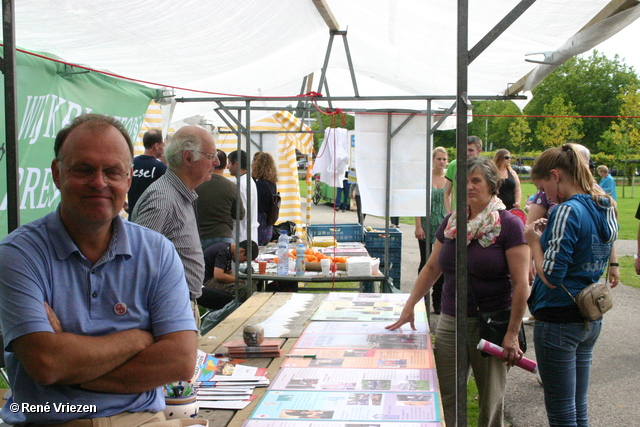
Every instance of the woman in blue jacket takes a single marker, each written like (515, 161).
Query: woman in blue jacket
(572, 247)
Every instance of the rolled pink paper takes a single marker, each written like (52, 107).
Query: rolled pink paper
(497, 351)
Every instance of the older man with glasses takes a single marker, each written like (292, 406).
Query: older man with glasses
(93, 323)
(168, 206)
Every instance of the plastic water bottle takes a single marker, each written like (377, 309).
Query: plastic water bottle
(300, 264)
(283, 254)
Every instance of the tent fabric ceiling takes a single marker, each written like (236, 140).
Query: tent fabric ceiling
(264, 48)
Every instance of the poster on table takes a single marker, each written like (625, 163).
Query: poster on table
(364, 328)
(366, 341)
(364, 311)
(361, 406)
(49, 96)
(355, 379)
(308, 423)
(359, 358)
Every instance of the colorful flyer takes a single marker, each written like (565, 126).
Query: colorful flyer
(368, 341)
(362, 406)
(363, 328)
(355, 379)
(360, 358)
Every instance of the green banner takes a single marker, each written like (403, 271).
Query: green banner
(50, 95)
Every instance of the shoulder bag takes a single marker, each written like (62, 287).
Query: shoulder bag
(594, 300)
(493, 326)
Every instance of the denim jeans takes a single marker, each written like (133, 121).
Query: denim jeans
(342, 203)
(564, 352)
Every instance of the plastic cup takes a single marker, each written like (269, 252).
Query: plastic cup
(325, 264)
(262, 267)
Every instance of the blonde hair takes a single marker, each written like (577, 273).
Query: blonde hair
(439, 150)
(498, 158)
(570, 159)
(603, 168)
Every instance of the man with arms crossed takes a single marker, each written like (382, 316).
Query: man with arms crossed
(91, 320)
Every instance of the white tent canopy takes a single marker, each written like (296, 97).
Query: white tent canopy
(266, 48)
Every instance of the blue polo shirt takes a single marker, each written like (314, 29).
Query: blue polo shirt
(140, 271)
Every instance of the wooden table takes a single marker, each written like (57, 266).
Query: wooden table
(259, 307)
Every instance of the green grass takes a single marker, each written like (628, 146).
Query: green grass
(627, 207)
(628, 274)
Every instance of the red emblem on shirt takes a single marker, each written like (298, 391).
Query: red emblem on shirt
(120, 308)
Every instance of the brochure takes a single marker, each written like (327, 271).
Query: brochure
(362, 406)
(360, 358)
(363, 328)
(210, 368)
(308, 423)
(355, 379)
(370, 341)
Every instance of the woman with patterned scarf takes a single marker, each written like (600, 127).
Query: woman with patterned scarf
(498, 259)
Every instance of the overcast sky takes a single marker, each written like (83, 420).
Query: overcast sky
(625, 44)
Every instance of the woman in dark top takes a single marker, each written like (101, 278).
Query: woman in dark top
(498, 258)
(265, 173)
(510, 192)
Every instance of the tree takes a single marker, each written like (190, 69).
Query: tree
(519, 132)
(491, 121)
(591, 85)
(559, 127)
(623, 138)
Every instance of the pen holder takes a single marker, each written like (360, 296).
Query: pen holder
(181, 407)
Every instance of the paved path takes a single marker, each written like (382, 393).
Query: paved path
(615, 376)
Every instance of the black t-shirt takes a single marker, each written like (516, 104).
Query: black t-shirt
(146, 169)
(216, 255)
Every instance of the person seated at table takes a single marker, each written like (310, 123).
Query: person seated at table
(218, 271)
(90, 316)
(498, 259)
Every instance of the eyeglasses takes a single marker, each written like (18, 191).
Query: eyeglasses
(209, 156)
(507, 157)
(112, 176)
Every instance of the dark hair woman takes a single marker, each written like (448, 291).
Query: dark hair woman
(498, 258)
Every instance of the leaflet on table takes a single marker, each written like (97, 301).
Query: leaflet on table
(366, 297)
(363, 312)
(226, 404)
(386, 341)
(308, 423)
(215, 391)
(360, 358)
(320, 379)
(209, 368)
(263, 382)
(336, 405)
(225, 397)
(363, 328)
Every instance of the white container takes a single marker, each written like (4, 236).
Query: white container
(181, 407)
(325, 264)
